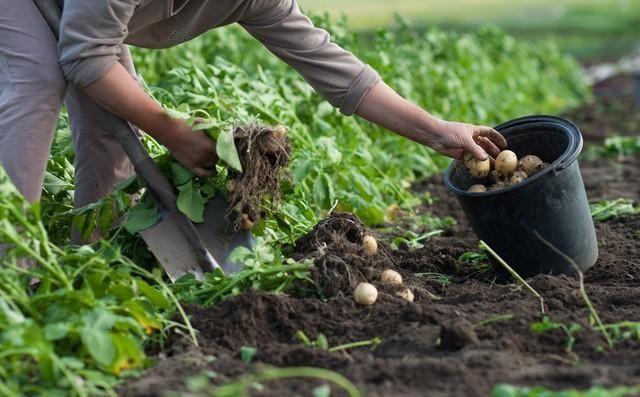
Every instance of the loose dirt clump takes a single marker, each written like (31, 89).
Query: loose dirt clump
(264, 155)
(336, 246)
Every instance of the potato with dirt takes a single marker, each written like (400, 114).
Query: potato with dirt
(365, 294)
(506, 162)
(531, 164)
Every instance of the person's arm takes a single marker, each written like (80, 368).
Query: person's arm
(118, 92)
(347, 83)
(91, 34)
(383, 106)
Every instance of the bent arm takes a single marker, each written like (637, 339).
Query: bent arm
(336, 74)
(386, 108)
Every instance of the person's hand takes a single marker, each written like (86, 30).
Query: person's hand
(195, 150)
(453, 139)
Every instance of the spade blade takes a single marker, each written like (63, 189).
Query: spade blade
(176, 254)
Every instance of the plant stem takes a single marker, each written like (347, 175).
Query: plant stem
(514, 274)
(372, 342)
(583, 291)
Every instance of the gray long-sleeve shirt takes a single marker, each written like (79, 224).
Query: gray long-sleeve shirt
(92, 31)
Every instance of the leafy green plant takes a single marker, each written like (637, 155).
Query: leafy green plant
(264, 268)
(547, 325)
(605, 210)
(71, 319)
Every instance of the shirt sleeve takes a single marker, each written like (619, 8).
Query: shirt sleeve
(340, 77)
(91, 35)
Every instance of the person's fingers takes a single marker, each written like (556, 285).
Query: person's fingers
(493, 135)
(476, 150)
(488, 146)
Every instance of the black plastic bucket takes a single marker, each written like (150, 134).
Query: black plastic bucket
(552, 203)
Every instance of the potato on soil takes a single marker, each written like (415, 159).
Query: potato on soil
(506, 162)
(479, 168)
(517, 177)
(365, 294)
(369, 245)
(406, 294)
(390, 277)
(532, 164)
(477, 189)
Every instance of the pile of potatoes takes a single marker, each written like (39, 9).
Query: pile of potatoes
(366, 294)
(507, 170)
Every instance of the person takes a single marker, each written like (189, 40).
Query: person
(89, 69)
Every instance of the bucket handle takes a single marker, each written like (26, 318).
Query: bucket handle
(576, 147)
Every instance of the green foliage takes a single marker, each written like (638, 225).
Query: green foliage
(547, 325)
(505, 390)
(73, 319)
(264, 268)
(615, 146)
(605, 210)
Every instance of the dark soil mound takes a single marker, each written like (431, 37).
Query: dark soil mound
(461, 335)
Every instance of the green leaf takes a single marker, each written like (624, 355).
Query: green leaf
(130, 185)
(191, 203)
(180, 174)
(247, 353)
(56, 331)
(99, 344)
(155, 296)
(227, 151)
(141, 217)
(322, 391)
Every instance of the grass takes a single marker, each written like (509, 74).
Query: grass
(585, 28)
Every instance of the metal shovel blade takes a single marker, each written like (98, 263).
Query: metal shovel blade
(176, 254)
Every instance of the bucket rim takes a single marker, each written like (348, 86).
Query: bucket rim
(574, 147)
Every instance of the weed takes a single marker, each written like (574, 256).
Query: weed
(547, 325)
(605, 210)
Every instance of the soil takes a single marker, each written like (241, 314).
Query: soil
(263, 155)
(437, 343)
(464, 332)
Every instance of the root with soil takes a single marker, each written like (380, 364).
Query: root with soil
(264, 153)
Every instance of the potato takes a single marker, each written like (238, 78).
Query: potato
(517, 177)
(495, 177)
(532, 164)
(477, 189)
(232, 184)
(479, 168)
(390, 277)
(365, 294)
(247, 223)
(506, 162)
(369, 245)
(279, 131)
(406, 294)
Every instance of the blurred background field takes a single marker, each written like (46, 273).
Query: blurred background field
(588, 29)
